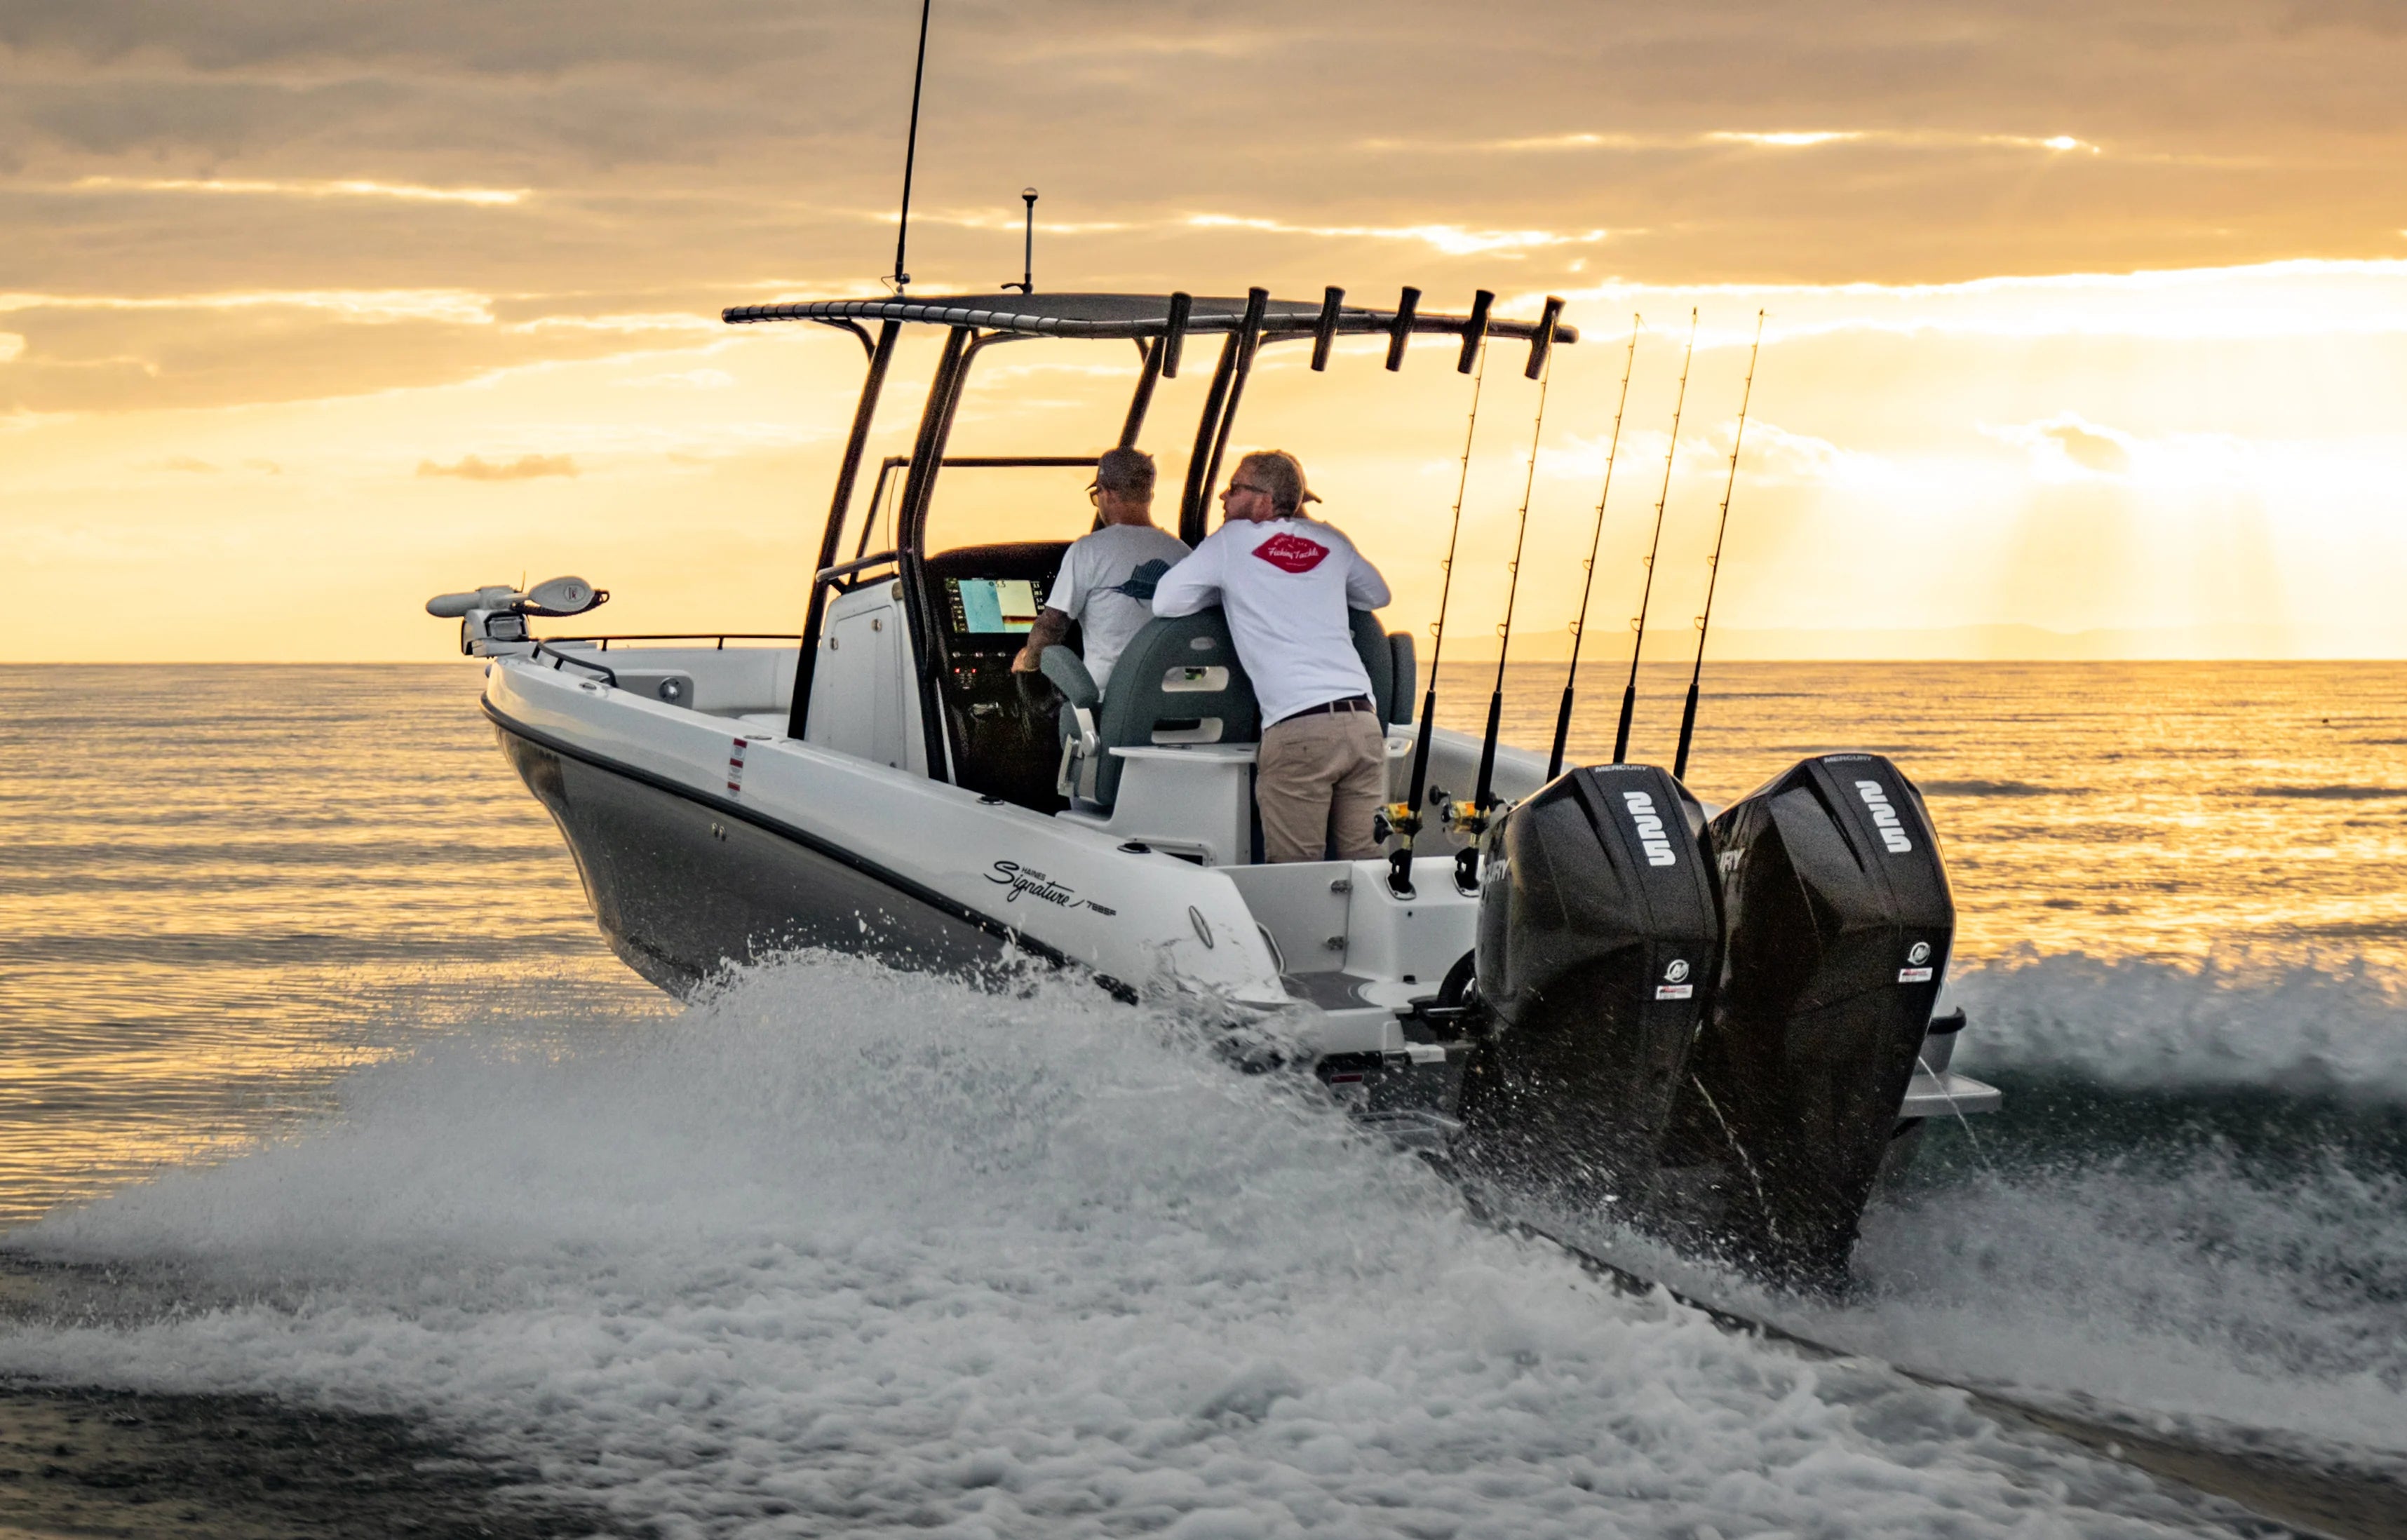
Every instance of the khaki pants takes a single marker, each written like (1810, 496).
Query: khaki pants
(1318, 781)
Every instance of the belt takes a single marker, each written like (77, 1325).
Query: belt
(1351, 703)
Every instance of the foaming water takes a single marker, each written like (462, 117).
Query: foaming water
(842, 1249)
(2247, 1304)
(2322, 1026)
(2191, 1218)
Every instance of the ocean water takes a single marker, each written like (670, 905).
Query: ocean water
(318, 1070)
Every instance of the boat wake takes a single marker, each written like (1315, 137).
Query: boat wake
(2236, 1019)
(2190, 1223)
(840, 1248)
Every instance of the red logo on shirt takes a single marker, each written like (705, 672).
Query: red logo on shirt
(1292, 552)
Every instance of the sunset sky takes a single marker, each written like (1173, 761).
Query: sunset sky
(2086, 322)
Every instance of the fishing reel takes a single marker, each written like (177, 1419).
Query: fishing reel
(1469, 821)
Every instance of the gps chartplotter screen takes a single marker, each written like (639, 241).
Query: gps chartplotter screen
(991, 605)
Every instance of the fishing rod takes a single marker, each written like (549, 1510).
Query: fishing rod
(1588, 584)
(1474, 822)
(911, 154)
(1629, 691)
(1714, 563)
(1404, 817)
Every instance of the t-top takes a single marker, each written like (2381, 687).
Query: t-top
(1106, 586)
(1286, 586)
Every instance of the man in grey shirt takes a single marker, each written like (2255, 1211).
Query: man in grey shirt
(1107, 577)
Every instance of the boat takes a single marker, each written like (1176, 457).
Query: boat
(1717, 1027)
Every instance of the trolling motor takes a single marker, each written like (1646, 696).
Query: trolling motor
(492, 619)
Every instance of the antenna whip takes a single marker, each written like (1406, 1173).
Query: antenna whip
(1473, 823)
(1588, 584)
(1629, 691)
(1405, 816)
(911, 154)
(1714, 564)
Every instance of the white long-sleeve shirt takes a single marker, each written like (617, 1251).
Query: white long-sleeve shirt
(1286, 586)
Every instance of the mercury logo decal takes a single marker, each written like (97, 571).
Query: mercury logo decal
(1675, 985)
(1892, 832)
(1919, 953)
(1651, 837)
(1678, 971)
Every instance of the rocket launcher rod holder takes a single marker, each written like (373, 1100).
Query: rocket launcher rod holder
(1401, 333)
(1174, 333)
(1324, 332)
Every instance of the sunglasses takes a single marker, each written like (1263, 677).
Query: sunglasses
(1235, 487)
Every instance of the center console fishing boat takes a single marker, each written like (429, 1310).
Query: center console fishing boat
(1722, 1027)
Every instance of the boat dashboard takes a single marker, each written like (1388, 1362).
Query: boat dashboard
(1003, 727)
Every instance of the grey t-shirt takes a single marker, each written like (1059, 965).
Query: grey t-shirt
(1106, 586)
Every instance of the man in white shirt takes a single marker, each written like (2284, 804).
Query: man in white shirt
(1107, 580)
(1285, 584)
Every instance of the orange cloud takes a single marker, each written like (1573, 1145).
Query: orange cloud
(526, 467)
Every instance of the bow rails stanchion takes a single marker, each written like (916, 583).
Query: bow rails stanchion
(1404, 817)
(1654, 544)
(1588, 568)
(1472, 822)
(1714, 562)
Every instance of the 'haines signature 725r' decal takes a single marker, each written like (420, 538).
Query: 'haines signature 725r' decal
(1022, 880)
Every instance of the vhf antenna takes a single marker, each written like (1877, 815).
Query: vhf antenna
(1714, 564)
(1482, 812)
(1026, 284)
(1405, 816)
(1588, 584)
(911, 154)
(1629, 691)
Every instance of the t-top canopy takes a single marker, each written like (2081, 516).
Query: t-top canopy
(1119, 315)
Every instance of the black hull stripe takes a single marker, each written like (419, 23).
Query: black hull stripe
(833, 851)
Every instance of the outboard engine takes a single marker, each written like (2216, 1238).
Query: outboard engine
(1836, 924)
(1597, 946)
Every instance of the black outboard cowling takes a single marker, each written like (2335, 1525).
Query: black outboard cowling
(1836, 924)
(1597, 946)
